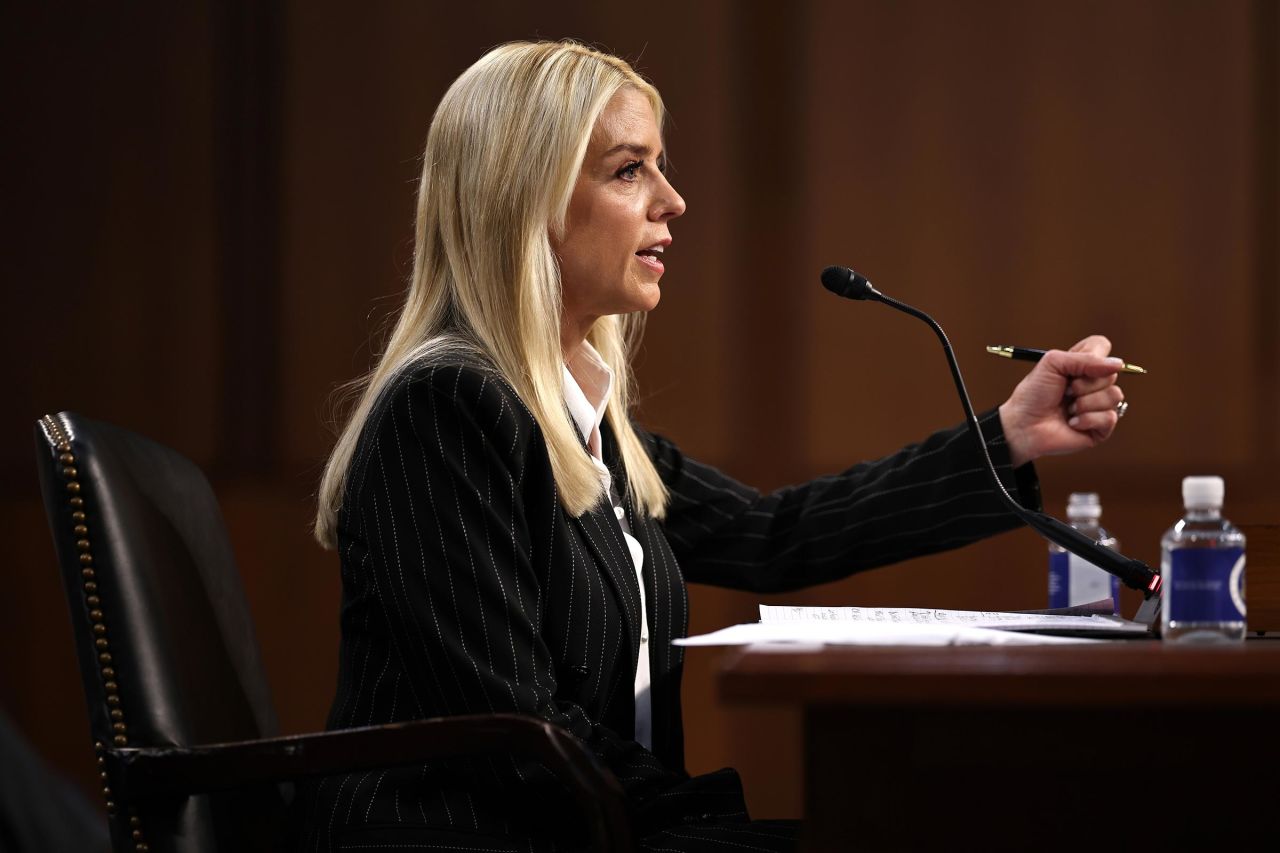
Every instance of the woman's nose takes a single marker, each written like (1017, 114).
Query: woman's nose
(668, 204)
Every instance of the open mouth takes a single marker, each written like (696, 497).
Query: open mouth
(652, 257)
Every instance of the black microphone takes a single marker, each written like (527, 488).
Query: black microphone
(1135, 574)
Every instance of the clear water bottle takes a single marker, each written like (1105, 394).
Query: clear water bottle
(1074, 580)
(1202, 562)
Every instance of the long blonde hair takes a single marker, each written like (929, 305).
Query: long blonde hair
(502, 157)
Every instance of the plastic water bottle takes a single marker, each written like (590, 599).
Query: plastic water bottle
(1074, 580)
(1202, 561)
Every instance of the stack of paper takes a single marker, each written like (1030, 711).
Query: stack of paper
(911, 626)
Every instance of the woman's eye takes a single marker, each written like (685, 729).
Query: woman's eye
(628, 172)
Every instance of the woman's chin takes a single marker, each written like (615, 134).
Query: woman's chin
(649, 297)
(637, 296)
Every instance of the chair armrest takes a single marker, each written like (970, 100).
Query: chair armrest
(147, 772)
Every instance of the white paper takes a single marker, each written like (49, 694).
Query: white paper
(818, 632)
(925, 616)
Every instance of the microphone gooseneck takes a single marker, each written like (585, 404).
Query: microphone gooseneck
(1135, 574)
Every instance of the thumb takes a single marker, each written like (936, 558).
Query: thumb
(1073, 364)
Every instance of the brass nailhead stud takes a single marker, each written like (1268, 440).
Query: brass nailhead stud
(104, 776)
(137, 835)
(110, 686)
(111, 807)
(93, 601)
(113, 700)
(105, 657)
(88, 573)
(102, 762)
(117, 714)
(73, 487)
(66, 459)
(108, 672)
(99, 628)
(69, 471)
(86, 559)
(95, 615)
(81, 530)
(120, 740)
(64, 447)
(118, 728)
(135, 822)
(77, 501)
(106, 792)
(100, 643)
(91, 588)
(82, 544)
(142, 848)
(77, 516)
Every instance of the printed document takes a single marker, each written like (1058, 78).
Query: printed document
(787, 626)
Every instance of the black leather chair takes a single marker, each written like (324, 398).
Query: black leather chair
(179, 710)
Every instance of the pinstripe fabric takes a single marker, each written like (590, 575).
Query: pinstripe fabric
(466, 589)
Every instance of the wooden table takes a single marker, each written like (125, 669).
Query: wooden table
(1030, 747)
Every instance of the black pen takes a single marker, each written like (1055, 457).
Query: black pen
(1027, 354)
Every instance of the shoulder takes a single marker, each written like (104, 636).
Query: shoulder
(440, 413)
(467, 387)
(457, 400)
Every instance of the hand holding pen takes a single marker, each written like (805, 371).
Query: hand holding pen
(1068, 402)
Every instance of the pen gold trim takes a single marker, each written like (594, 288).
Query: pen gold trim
(1022, 354)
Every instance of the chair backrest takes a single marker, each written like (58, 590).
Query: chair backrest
(163, 634)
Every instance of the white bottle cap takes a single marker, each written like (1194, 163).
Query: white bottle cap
(1083, 505)
(1203, 492)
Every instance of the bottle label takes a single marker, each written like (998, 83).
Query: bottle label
(1058, 585)
(1206, 585)
(1074, 581)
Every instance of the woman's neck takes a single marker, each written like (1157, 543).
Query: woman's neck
(573, 333)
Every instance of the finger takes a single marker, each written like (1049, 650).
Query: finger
(1100, 401)
(1084, 387)
(1099, 424)
(1076, 364)
(1093, 345)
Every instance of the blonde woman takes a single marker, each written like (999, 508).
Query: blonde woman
(511, 541)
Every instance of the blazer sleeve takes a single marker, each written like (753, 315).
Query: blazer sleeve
(925, 498)
(437, 501)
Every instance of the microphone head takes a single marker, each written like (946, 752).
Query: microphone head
(843, 281)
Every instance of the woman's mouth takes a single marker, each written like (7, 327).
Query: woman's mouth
(652, 257)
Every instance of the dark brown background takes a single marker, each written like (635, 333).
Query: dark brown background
(208, 215)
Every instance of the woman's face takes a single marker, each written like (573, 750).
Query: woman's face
(617, 225)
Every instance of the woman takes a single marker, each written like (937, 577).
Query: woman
(510, 541)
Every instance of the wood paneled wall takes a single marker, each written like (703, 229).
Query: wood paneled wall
(208, 217)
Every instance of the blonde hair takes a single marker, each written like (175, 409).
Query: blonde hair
(502, 158)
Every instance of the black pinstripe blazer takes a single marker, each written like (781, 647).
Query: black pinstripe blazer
(468, 589)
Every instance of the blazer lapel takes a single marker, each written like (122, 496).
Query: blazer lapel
(667, 611)
(604, 537)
